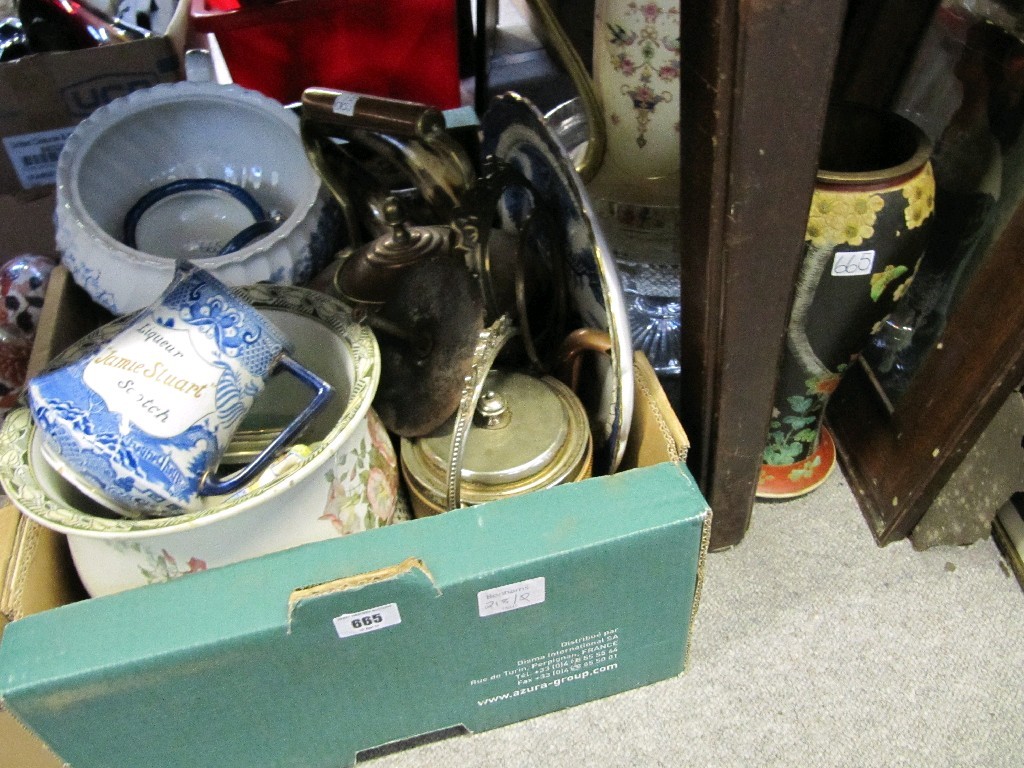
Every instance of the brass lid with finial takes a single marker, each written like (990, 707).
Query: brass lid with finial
(369, 274)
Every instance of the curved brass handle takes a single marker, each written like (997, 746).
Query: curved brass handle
(411, 137)
(593, 156)
(570, 356)
(338, 174)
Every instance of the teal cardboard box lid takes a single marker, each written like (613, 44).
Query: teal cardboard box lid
(476, 618)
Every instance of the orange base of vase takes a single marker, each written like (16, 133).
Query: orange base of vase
(787, 481)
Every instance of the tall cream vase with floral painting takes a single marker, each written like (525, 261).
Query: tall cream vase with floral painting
(636, 74)
(635, 192)
(867, 229)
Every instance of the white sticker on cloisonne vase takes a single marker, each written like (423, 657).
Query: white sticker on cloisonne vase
(852, 263)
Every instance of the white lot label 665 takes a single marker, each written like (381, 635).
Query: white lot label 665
(852, 263)
(370, 620)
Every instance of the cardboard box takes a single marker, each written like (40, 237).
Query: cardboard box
(35, 575)
(47, 95)
(472, 619)
(44, 96)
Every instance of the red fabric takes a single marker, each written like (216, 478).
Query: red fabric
(404, 49)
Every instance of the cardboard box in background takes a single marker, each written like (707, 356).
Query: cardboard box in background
(46, 95)
(472, 619)
(42, 98)
(26, 223)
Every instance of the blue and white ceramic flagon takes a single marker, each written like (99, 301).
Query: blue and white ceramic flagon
(141, 423)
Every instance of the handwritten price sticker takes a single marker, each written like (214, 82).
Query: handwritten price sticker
(852, 263)
(511, 597)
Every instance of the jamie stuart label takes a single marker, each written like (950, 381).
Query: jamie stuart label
(156, 377)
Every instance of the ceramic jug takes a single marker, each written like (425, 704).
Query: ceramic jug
(141, 422)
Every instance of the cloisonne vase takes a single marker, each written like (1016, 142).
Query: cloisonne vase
(867, 230)
(636, 62)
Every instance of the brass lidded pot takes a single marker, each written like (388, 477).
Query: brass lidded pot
(526, 433)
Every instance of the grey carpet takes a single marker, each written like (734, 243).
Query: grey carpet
(812, 647)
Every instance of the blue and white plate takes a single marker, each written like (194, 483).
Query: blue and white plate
(515, 131)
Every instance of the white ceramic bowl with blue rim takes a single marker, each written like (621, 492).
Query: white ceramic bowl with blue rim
(188, 130)
(343, 479)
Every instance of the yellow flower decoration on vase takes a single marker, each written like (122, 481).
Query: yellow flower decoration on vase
(920, 196)
(839, 217)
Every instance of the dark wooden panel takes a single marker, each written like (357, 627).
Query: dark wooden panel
(880, 39)
(755, 84)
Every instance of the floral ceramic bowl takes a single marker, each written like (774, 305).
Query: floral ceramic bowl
(343, 478)
(188, 131)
